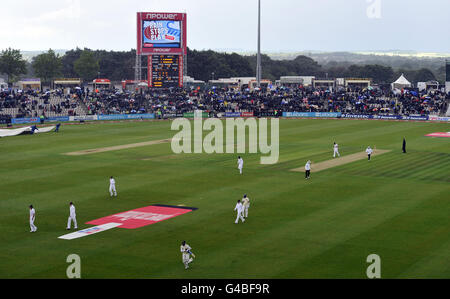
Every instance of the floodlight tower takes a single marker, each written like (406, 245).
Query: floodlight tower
(258, 55)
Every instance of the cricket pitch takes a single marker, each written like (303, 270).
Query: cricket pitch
(316, 167)
(116, 148)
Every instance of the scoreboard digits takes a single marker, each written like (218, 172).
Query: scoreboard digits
(164, 71)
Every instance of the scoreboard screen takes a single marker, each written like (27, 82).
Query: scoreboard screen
(165, 71)
(161, 33)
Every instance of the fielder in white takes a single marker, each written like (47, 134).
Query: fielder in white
(32, 218)
(369, 152)
(186, 254)
(246, 205)
(336, 150)
(308, 169)
(72, 217)
(112, 187)
(240, 163)
(239, 208)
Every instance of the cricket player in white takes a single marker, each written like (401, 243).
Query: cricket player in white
(186, 254)
(308, 170)
(246, 205)
(72, 217)
(336, 150)
(112, 186)
(369, 152)
(32, 218)
(240, 163)
(239, 208)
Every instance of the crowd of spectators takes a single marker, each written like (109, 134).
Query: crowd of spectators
(371, 101)
(32, 103)
(364, 101)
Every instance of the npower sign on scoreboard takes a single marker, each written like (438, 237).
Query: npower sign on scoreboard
(162, 37)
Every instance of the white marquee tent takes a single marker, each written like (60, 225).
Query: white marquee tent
(401, 82)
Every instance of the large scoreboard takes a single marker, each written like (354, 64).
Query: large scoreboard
(165, 71)
(162, 37)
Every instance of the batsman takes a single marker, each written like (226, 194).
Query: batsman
(186, 254)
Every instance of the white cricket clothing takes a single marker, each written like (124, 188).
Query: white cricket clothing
(72, 217)
(239, 208)
(307, 166)
(184, 249)
(369, 151)
(112, 187)
(112, 190)
(240, 163)
(186, 257)
(246, 204)
(72, 211)
(336, 151)
(33, 228)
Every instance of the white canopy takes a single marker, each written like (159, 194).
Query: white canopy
(402, 81)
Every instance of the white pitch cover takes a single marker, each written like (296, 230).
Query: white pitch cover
(90, 231)
(14, 132)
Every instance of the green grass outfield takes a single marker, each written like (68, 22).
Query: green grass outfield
(396, 206)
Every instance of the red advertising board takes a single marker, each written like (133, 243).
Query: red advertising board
(247, 114)
(161, 33)
(439, 134)
(143, 216)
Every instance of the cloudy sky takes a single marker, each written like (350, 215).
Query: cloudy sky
(287, 25)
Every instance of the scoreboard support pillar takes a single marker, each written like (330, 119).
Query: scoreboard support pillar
(138, 70)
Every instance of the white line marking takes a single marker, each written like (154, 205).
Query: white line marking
(89, 231)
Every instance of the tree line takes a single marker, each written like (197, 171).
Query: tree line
(204, 65)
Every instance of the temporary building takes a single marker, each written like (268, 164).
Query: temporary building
(401, 83)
